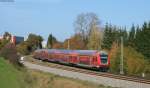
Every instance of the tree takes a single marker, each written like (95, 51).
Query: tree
(24, 48)
(95, 37)
(58, 45)
(84, 23)
(32, 43)
(51, 41)
(6, 39)
(35, 41)
(131, 38)
(7, 36)
(108, 37)
(137, 38)
(75, 43)
(125, 36)
(112, 36)
(143, 41)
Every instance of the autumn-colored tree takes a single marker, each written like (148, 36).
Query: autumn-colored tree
(75, 42)
(58, 45)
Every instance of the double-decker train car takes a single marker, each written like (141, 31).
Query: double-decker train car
(87, 58)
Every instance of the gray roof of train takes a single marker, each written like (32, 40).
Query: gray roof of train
(81, 52)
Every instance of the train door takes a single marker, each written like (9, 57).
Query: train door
(94, 61)
(73, 59)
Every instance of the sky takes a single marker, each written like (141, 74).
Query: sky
(43, 17)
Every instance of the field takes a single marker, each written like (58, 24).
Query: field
(10, 77)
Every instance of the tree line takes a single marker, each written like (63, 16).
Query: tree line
(87, 33)
(137, 37)
(90, 35)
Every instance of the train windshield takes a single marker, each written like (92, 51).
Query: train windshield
(104, 58)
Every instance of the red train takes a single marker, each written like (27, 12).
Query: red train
(87, 58)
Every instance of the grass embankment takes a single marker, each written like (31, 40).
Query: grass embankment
(46, 80)
(10, 77)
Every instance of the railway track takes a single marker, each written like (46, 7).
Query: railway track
(90, 72)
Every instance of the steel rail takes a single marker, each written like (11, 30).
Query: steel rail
(90, 72)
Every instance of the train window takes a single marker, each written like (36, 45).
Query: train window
(84, 60)
(74, 57)
(104, 58)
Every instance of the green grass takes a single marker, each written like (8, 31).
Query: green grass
(8, 75)
(11, 77)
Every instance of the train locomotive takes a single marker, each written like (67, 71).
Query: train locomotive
(85, 58)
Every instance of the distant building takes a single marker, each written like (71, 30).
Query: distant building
(13, 39)
(17, 39)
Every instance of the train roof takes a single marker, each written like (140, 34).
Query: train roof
(75, 52)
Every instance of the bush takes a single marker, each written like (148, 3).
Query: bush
(9, 52)
(23, 48)
(115, 62)
(134, 62)
(3, 43)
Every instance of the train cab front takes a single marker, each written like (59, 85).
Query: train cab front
(104, 61)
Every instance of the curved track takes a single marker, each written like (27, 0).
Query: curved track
(90, 72)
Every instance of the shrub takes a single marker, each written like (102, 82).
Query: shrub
(134, 62)
(23, 48)
(3, 43)
(9, 52)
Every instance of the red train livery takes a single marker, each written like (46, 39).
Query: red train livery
(86, 58)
